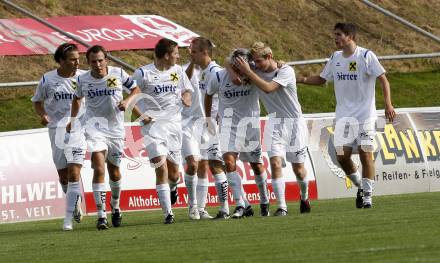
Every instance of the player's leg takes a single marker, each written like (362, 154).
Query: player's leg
(191, 186)
(343, 156)
(202, 189)
(221, 184)
(278, 184)
(298, 159)
(99, 189)
(261, 182)
(235, 182)
(173, 180)
(114, 157)
(162, 186)
(73, 196)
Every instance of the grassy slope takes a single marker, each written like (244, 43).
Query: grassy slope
(399, 229)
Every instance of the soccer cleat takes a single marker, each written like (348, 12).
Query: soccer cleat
(248, 211)
(102, 223)
(67, 226)
(116, 218)
(280, 212)
(359, 198)
(367, 205)
(193, 213)
(77, 212)
(221, 215)
(304, 206)
(264, 210)
(169, 219)
(204, 214)
(238, 212)
(174, 195)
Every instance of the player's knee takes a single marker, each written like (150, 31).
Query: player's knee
(300, 171)
(230, 166)
(191, 167)
(343, 160)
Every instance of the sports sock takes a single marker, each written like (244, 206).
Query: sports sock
(163, 192)
(72, 195)
(279, 188)
(64, 187)
(100, 196)
(116, 194)
(221, 185)
(202, 192)
(235, 182)
(191, 183)
(355, 178)
(304, 189)
(261, 182)
(367, 186)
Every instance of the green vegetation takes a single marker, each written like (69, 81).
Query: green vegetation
(401, 228)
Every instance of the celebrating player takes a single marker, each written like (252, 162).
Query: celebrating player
(354, 71)
(102, 88)
(165, 87)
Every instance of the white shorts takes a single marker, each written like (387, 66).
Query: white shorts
(67, 147)
(190, 140)
(243, 140)
(210, 143)
(114, 147)
(355, 135)
(286, 139)
(163, 138)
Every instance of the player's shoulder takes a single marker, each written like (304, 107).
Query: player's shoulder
(365, 52)
(79, 72)
(285, 69)
(213, 67)
(48, 76)
(114, 71)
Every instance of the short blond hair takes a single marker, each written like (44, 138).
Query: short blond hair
(260, 49)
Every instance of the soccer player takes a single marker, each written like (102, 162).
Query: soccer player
(102, 87)
(240, 134)
(354, 71)
(201, 54)
(286, 130)
(165, 87)
(52, 102)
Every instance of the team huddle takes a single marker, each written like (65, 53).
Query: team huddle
(206, 117)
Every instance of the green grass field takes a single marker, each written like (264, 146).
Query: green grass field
(400, 228)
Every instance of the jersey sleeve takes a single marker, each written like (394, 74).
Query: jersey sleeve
(79, 90)
(327, 72)
(138, 76)
(40, 92)
(127, 81)
(213, 84)
(285, 76)
(374, 68)
(186, 84)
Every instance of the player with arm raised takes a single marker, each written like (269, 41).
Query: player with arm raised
(354, 71)
(165, 87)
(102, 87)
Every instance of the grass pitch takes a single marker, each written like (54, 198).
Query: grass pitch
(401, 228)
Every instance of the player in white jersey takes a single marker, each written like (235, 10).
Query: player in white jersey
(354, 71)
(193, 120)
(201, 52)
(52, 102)
(165, 87)
(239, 122)
(286, 130)
(102, 87)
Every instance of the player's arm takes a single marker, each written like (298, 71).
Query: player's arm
(266, 86)
(123, 105)
(390, 114)
(313, 80)
(186, 98)
(39, 109)
(235, 78)
(190, 70)
(76, 106)
(208, 105)
(187, 91)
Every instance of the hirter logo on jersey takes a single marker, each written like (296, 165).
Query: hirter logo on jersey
(352, 66)
(112, 82)
(174, 77)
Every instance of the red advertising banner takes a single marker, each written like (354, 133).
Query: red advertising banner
(29, 37)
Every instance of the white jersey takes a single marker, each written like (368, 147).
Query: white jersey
(196, 110)
(354, 80)
(284, 101)
(162, 91)
(243, 99)
(206, 75)
(57, 93)
(102, 97)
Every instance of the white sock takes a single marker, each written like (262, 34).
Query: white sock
(72, 195)
(261, 182)
(304, 189)
(367, 186)
(279, 187)
(355, 178)
(191, 183)
(221, 185)
(173, 185)
(99, 195)
(202, 192)
(234, 181)
(116, 193)
(64, 187)
(163, 191)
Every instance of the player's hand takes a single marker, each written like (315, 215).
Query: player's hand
(243, 66)
(280, 63)
(69, 127)
(122, 105)
(146, 120)
(390, 114)
(44, 120)
(186, 99)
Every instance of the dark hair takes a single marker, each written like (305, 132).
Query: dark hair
(240, 52)
(62, 50)
(348, 29)
(96, 49)
(164, 46)
(204, 44)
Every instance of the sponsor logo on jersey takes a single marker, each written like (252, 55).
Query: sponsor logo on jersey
(352, 66)
(174, 77)
(236, 93)
(338, 64)
(62, 96)
(203, 76)
(98, 93)
(246, 81)
(343, 76)
(112, 82)
(165, 88)
(74, 84)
